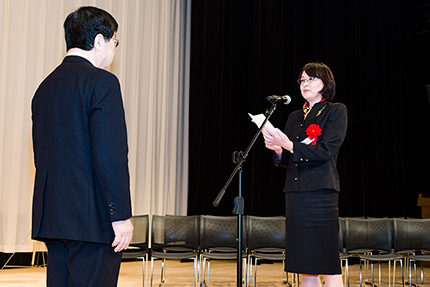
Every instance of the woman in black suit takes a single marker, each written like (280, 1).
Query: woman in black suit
(308, 149)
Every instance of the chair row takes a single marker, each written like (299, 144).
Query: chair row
(205, 237)
(385, 240)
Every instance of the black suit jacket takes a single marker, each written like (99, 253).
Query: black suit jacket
(313, 167)
(80, 154)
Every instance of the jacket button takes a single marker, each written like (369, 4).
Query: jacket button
(295, 179)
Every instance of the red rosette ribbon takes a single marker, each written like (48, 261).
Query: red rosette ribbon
(313, 131)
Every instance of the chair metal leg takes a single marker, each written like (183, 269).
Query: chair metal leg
(347, 270)
(389, 273)
(152, 270)
(366, 265)
(394, 272)
(285, 280)
(146, 263)
(406, 265)
(198, 269)
(285, 273)
(246, 272)
(403, 278)
(380, 273)
(143, 270)
(422, 274)
(249, 268)
(255, 274)
(203, 272)
(343, 272)
(162, 272)
(209, 267)
(361, 274)
(195, 271)
(410, 272)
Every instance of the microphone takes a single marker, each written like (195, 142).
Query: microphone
(276, 99)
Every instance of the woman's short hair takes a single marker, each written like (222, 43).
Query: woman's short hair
(323, 72)
(82, 26)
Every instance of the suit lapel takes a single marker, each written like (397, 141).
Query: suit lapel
(313, 116)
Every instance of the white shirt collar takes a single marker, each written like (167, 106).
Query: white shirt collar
(83, 56)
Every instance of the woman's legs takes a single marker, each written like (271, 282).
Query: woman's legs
(333, 280)
(311, 281)
(314, 280)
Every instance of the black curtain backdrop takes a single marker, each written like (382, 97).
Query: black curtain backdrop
(244, 51)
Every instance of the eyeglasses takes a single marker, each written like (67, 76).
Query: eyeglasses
(309, 80)
(116, 42)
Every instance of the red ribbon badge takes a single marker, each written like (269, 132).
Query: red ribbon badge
(313, 131)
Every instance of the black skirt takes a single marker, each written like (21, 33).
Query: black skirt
(312, 233)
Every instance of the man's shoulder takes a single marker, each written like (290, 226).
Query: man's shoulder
(78, 73)
(83, 69)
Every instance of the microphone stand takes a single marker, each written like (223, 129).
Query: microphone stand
(239, 203)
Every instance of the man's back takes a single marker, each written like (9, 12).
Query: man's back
(80, 147)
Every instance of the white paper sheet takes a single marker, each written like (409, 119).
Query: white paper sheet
(259, 119)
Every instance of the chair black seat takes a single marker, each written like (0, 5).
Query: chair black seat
(381, 257)
(174, 255)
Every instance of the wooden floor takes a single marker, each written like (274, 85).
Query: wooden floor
(222, 273)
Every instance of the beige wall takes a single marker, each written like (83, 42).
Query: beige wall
(149, 63)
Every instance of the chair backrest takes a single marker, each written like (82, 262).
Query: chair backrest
(265, 232)
(219, 231)
(412, 234)
(140, 232)
(175, 231)
(342, 233)
(368, 233)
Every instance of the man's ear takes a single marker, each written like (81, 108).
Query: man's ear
(98, 42)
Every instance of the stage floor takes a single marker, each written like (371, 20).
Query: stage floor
(222, 273)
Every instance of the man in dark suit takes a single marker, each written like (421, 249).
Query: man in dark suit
(81, 201)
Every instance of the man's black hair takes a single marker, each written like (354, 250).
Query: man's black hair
(82, 26)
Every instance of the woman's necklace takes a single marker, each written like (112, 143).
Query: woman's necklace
(307, 108)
